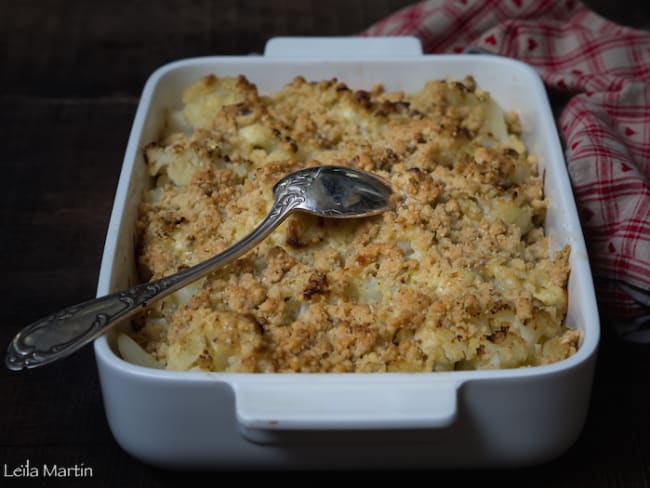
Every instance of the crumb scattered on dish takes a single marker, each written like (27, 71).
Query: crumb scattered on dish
(457, 275)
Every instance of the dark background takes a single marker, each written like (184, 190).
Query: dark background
(70, 76)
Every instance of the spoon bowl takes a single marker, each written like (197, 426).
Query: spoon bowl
(326, 191)
(335, 192)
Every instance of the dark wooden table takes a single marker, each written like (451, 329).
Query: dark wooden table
(70, 76)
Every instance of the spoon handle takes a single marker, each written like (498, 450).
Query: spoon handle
(61, 334)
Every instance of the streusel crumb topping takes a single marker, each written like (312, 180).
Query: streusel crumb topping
(456, 275)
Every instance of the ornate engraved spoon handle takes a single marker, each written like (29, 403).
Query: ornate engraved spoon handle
(64, 332)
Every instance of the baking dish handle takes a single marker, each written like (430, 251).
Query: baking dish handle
(343, 47)
(324, 405)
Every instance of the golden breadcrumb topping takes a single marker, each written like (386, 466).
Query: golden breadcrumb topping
(456, 275)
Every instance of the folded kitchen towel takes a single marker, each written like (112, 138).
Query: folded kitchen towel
(602, 71)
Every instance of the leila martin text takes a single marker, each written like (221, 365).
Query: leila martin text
(29, 470)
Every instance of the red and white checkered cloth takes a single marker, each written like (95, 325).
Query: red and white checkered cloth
(603, 69)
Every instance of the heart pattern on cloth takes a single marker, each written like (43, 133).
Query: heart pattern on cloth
(532, 44)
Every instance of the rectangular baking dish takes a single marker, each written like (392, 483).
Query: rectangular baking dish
(197, 420)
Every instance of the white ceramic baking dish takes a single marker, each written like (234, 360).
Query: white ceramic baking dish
(194, 420)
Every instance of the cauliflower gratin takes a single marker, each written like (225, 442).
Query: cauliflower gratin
(457, 275)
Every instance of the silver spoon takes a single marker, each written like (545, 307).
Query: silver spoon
(326, 191)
